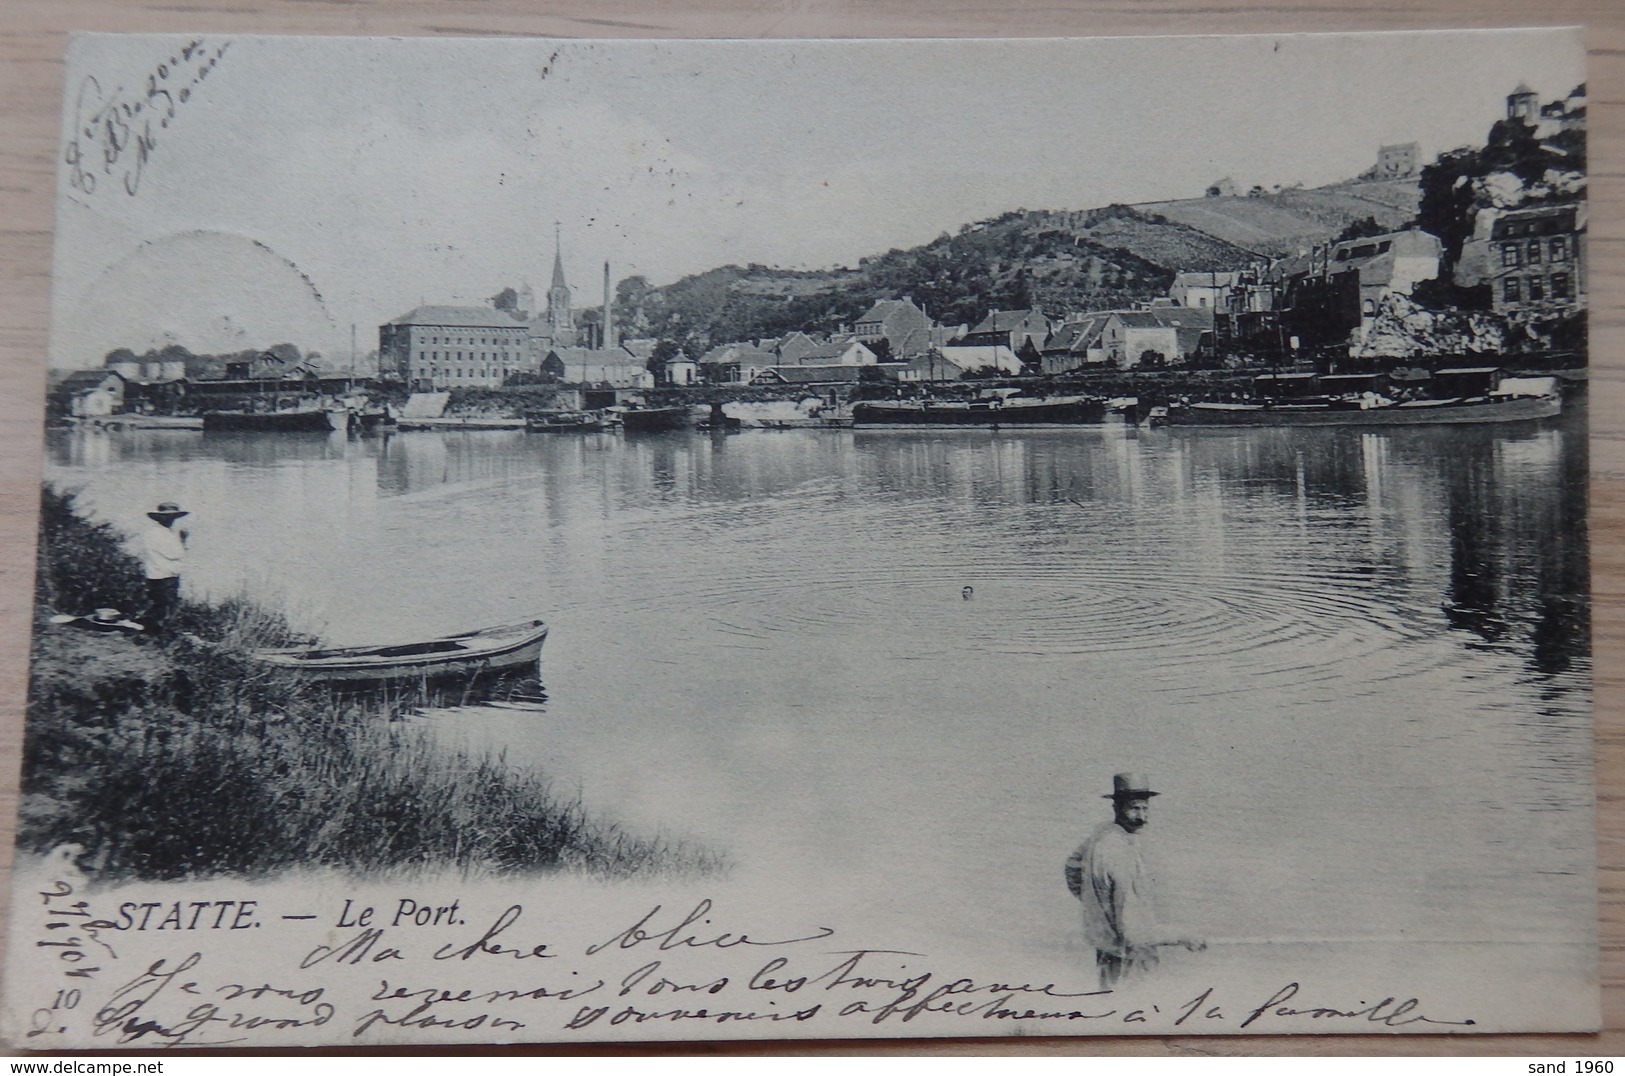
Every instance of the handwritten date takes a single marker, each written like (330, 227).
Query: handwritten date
(116, 131)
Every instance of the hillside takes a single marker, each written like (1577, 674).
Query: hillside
(1283, 222)
(1059, 261)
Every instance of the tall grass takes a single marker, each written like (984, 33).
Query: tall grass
(186, 758)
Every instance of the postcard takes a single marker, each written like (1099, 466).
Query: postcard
(566, 541)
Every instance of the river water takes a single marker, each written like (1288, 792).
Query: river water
(1356, 664)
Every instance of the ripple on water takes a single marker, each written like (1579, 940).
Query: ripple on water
(1303, 627)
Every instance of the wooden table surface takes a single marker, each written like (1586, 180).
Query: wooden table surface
(34, 36)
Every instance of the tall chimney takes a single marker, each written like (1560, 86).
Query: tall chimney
(609, 311)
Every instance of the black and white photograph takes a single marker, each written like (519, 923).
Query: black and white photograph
(628, 541)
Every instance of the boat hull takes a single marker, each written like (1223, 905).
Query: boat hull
(270, 421)
(490, 650)
(1078, 411)
(649, 419)
(1447, 412)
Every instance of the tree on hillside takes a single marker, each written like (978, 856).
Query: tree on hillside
(506, 299)
(1513, 147)
(1360, 229)
(1446, 208)
(665, 351)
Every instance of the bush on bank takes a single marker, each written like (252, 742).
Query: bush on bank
(182, 757)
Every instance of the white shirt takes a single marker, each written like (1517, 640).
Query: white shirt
(1115, 891)
(162, 549)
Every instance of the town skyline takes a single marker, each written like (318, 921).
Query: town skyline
(638, 181)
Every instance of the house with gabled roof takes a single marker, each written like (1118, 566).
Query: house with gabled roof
(611, 368)
(891, 320)
(1015, 329)
(735, 364)
(92, 393)
(836, 352)
(1203, 289)
(1172, 332)
(792, 347)
(1388, 263)
(956, 361)
(1075, 344)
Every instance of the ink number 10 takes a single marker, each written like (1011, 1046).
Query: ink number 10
(45, 1019)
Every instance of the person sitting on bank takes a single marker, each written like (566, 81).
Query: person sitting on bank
(1109, 876)
(163, 548)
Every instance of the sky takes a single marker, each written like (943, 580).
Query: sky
(225, 193)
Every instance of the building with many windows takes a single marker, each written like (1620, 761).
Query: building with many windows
(1535, 260)
(444, 347)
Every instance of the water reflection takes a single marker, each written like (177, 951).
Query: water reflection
(1348, 629)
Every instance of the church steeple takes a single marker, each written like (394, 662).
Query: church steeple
(558, 296)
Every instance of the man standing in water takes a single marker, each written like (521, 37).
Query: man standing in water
(1109, 877)
(163, 547)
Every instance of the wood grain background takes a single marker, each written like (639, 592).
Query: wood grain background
(34, 37)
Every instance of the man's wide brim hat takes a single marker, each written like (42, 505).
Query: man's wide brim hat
(1130, 786)
(167, 510)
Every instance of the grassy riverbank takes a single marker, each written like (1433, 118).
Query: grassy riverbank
(181, 757)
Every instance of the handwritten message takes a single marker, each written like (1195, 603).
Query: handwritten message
(418, 970)
(117, 130)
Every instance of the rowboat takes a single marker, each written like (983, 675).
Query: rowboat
(565, 422)
(468, 653)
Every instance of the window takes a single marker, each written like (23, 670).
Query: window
(1534, 252)
(1510, 257)
(1509, 290)
(1560, 285)
(1560, 248)
(1537, 289)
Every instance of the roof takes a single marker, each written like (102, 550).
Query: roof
(1138, 319)
(884, 308)
(577, 356)
(468, 317)
(829, 350)
(1540, 220)
(641, 348)
(977, 357)
(1078, 334)
(1523, 88)
(80, 380)
(1409, 241)
(1184, 317)
(558, 268)
(1194, 279)
(998, 321)
(804, 375)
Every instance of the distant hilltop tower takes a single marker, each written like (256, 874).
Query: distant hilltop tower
(558, 295)
(1522, 105)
